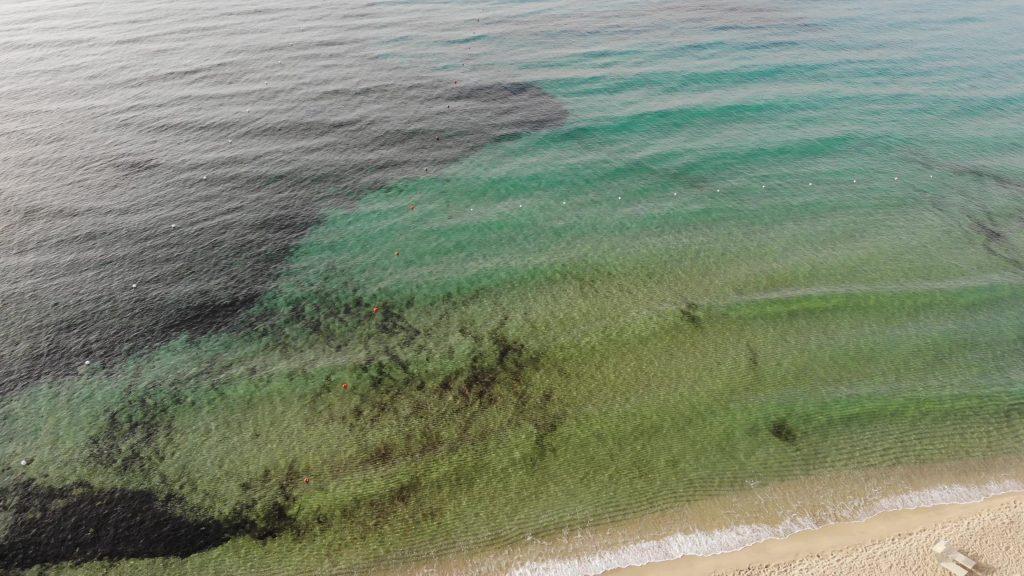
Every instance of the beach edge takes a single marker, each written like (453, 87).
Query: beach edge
(830, 540)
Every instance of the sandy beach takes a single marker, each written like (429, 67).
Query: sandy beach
(894, 543)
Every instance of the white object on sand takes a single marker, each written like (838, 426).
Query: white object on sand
(954, 568)
(944, 550)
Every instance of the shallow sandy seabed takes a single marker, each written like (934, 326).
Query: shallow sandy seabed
(894, 543)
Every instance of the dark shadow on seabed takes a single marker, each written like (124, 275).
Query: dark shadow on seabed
(79, 522)
(183, 244)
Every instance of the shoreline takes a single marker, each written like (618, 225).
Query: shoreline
(825, 547)
(782, 522)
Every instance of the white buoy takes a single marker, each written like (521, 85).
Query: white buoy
(620, 197)
(470, 209)
(24, 462)
(895, 177)
(520, 205)
(675, 193)
(762, 186)
(135, 285)
(563, 202)
(854, 180)
(718, 189)
(229, 140)
(86, 362)
(174, 225)
(810, 183)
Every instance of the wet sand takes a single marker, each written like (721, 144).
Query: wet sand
(894, 543)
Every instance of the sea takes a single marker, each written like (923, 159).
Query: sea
(613, 282)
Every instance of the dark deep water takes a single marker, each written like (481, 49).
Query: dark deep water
(157, 163)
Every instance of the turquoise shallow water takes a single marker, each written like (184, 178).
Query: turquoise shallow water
(370, 286)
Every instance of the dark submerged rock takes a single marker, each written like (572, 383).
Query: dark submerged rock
(783, 431)
(78, 523)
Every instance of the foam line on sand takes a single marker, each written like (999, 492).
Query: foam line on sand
(896, 543)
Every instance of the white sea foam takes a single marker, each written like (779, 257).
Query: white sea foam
(706, 543)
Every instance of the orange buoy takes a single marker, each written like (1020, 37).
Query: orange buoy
(306, 480)
(344, 386)
(376, 309)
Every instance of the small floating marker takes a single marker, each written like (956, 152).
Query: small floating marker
(135, 285)
(896, 178)
(305, 480)
(376, 309)
(854, 180)
(397, 252)
(470, 209)
(412, 206)
(763, 186)
(174, 225)
(563, 202)
(620, 197)
(931, 176)
(204, 177)
(87, 362)
(344, 386)
(520, 205)
(24, 462)
(229, 140)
